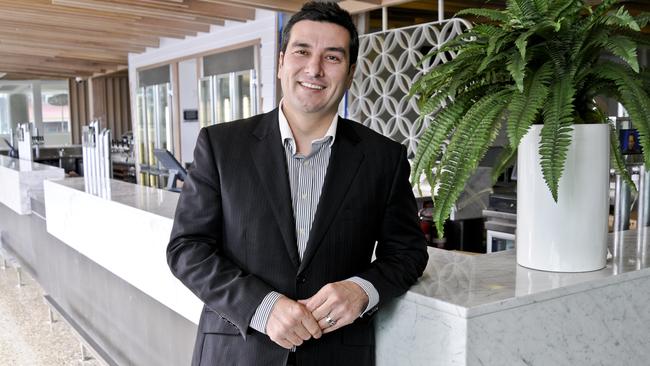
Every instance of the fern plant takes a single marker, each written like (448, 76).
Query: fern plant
(536, 62)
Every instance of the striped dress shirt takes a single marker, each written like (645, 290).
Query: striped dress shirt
(306, 177)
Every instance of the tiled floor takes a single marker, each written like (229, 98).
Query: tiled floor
(27, 338)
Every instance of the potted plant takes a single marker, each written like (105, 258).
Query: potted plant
(538, 67)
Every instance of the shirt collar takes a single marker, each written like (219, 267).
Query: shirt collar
(285, 130)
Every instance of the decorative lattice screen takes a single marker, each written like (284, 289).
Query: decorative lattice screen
(386, 69)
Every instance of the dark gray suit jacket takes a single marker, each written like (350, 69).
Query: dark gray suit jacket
(233, 239)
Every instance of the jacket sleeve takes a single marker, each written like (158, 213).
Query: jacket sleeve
(401, 253)
(195, 252)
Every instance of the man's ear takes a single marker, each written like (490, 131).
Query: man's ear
(280, 63)
(353, 68)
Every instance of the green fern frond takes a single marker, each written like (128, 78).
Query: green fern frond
(495, 15)
(633, 97)
(642, 19)
(525, 106)
(622, 19)
(564, 8)
(476, 131)
(431, 141)
(517, 67)
(541, 6)
(522, 10)
(556, 133)
(603, 8)
(624, 48)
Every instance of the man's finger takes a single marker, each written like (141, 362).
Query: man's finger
(302, 332)
(311, 325)
(317, 300)
(323, 309)
(294, 339)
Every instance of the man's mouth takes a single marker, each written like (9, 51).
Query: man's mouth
(311, 86)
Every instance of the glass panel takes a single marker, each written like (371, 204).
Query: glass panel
(243, 98)
(15, 107)
(56, 107)
(141, 134)
(150, 118)
(205, 102)
(224, 109)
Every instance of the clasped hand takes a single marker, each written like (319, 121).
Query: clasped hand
(292, 322)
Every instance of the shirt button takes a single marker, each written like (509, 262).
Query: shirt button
(304, 195)
(301, 231)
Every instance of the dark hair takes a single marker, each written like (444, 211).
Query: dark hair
(328, 12)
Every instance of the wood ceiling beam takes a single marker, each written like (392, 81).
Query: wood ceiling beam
(67, 32)
(104, 57)
(59, 63)
(38, 13)
(53, 40)
(26, 76)
(149, 29)
(18, 65)
(362, 6)
(38, 72)
(289, 6)
(148, 11)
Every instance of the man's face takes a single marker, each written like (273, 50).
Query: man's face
(315, 71)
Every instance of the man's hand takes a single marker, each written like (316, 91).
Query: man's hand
(342, 301)
(290, 323)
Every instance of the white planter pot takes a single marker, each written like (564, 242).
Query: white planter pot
(570, 235)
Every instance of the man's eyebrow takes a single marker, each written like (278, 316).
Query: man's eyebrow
(336, 49)
(307, 45)
(300, 44)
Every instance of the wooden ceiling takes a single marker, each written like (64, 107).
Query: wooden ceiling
(81, 38)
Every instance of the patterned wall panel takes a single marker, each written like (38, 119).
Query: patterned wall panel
(386, 69)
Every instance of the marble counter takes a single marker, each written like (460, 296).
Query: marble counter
(487, 310)
(125, 233)
(19, 177)
(465, 310)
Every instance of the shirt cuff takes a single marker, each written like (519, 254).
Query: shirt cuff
(371, 291)
(261, 316)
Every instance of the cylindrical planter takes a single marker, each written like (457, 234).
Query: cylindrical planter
(570, 235)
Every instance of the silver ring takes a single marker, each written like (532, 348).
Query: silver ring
(330, 321)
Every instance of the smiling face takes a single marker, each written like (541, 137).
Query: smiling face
(315, 71)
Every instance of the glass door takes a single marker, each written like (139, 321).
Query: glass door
(154, 130)
(206, 105)
(227, 97)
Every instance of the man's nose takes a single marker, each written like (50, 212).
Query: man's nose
(314, 66)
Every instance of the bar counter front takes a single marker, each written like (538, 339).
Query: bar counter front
(102, 259)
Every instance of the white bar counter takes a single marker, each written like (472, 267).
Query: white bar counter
(19, 177)
(126, 233)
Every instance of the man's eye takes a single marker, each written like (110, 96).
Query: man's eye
(300, 52)
(333, 58)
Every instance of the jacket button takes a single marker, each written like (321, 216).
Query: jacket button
(301, 279)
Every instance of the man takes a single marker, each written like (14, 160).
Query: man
(278, 219)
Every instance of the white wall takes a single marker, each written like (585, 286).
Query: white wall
(263, 28)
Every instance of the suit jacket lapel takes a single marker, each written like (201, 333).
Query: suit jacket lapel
(270, 163)
(343, 167)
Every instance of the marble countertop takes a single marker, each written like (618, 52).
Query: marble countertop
(472, 285)
(460, 284)
(24, 165)
(153, 200)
